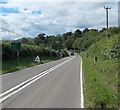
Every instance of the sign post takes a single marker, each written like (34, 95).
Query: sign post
(50, 48)
(16, 47)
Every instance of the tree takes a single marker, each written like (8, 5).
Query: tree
(77, 33)
(24, 40)
(40, 39)
(41, 36)
(85, 30)
(68, 44)
(103, 29)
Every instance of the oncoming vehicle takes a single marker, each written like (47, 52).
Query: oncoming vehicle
(72, 53)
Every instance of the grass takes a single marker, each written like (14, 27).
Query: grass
(14, 65)
(101, 83)
(101, 77)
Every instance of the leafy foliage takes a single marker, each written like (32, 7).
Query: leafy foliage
(26, 50)
(78, 41)
(101, 77)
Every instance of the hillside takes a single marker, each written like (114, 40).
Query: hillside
(101, 75)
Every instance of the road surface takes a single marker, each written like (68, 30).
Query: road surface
(54, 84)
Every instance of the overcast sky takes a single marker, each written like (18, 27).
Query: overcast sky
(32, 17)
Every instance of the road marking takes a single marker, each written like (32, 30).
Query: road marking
(81, 85)
(28, 68)
(26, 83)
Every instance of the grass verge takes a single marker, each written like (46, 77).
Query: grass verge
(100, 83)
(14, 65)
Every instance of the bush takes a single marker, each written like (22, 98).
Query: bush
(65, 53)
(26, 50)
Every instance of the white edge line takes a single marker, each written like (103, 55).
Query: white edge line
(15, 87)
(4, 98)
(46, 72)
(81, 85)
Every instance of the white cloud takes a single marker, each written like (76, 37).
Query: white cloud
(57, 17)
(62, 0)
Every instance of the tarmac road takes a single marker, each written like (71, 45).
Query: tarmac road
(51, 85)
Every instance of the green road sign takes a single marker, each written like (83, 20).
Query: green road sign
(15, 46)
(50, 48)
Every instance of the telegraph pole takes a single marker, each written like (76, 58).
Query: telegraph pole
(107, 8)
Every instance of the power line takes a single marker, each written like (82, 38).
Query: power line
(107, 8)
(10, 31)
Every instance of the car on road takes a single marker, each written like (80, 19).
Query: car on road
(72, 53)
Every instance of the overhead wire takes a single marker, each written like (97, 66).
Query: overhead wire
(11, 31)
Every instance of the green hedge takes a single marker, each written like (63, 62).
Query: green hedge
(26, 50)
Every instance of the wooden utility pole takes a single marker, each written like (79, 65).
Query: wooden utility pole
(107, 8)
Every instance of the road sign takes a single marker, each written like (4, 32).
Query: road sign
(50, 48)
(15, 46)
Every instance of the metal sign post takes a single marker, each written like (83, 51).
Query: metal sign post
(18, 55)
(50, 48)
(16, 47)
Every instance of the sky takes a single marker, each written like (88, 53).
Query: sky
(20, 18)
